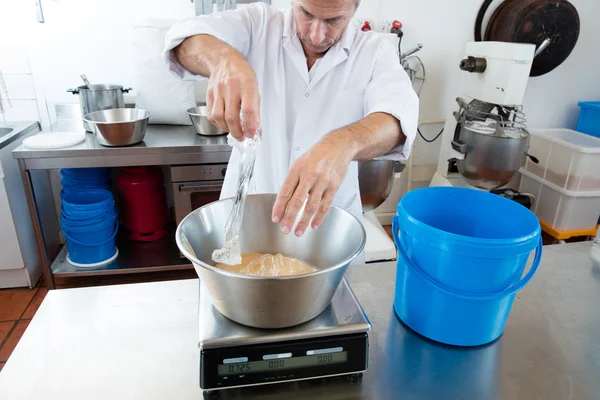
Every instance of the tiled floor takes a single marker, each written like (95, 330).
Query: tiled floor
(17, 308)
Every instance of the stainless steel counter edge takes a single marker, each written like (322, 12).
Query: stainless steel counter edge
(162, 145)
(19, 129)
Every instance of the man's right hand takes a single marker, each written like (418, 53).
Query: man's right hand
(232, 88)
(232, 85)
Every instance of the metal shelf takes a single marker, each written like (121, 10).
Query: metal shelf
(134, 258)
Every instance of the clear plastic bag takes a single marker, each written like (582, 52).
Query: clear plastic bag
(230, 254)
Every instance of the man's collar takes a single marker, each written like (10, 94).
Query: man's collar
(289, 30)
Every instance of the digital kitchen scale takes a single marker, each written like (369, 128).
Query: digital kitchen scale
(232, 355)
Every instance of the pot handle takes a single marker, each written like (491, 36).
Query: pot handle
(533, 159)
(74, 91)
(399, 167)
(126, 90)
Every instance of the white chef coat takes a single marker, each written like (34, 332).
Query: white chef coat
(359, 75)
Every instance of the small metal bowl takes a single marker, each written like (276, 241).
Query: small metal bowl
(118, 126)
(199, 117)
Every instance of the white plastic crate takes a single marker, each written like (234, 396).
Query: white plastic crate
(568, 159)
(563, 210)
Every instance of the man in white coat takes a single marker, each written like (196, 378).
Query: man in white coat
(324, 94)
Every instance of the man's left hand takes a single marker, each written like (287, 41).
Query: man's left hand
(317, 175)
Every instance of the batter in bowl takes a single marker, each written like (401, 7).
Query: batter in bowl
(258, 264)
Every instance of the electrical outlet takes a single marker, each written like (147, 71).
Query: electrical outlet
(359, 22)
(385, 26)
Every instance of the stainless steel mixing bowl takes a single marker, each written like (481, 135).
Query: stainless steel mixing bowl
(271, 302)
(199, 117)
(375, 181)
(119, 126)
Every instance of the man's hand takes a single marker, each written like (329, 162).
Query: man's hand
(317, 175)
(232, 84)
(233, 87)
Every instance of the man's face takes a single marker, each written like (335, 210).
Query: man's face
(321, 23)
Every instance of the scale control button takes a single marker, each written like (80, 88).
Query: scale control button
(324, 351)
(235, 360)
(277, 356)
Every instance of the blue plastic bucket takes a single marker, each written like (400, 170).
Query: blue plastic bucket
(589, 118)
(83, 173)
(91, 244)
(447, 315)
(466, 239)
(86, 201)
(84, 219)
(85, 178)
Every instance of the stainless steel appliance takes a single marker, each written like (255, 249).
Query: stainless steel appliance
(232, 355)
(98, 98)
(375, 180)
(20, 262)
(265, 301)
(195, 186)
(485, 140)
(493, 140)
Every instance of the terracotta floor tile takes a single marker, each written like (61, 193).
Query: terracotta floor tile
(13, 302)
(5, 328)
(12, 340)
(388, 230)
(35, 303)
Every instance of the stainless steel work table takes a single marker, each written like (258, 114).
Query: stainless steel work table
(140, 342)
(162, 145)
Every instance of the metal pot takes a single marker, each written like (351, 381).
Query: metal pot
(98, 98)
(375, 180)
(492, 157)
(271, 302)
(199, 117)
(119, 126)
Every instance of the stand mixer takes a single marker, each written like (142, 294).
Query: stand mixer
(485, 140)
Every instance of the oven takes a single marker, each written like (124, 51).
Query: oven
(195, 186)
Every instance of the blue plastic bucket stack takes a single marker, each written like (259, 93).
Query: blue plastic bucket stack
(79, 179)
(462, 254)
(88, 217)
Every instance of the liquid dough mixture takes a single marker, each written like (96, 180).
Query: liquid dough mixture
(267, 265)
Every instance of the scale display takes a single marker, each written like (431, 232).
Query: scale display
(282, 364)
(283, 361)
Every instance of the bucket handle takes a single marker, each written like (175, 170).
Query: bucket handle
(469, 296)
(114, 234)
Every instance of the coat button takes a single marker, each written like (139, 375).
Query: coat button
(306, 94)
(297, 148)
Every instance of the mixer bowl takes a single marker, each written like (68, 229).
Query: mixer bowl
(271, 302)
(375, 181)
(491, 161)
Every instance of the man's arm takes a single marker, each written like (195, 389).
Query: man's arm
(389, 127)
(320, 172)
(232, 84)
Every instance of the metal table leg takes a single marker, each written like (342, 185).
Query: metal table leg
(37, 227)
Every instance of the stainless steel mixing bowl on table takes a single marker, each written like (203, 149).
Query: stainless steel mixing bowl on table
(271, 302)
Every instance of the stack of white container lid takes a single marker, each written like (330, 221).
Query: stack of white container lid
(566, 182)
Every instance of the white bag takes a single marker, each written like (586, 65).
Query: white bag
(159, 92)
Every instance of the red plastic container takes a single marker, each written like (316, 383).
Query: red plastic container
(144, 204)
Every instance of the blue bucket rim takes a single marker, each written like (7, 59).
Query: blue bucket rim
(88, 228)
(75, 193)
(497, 242)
